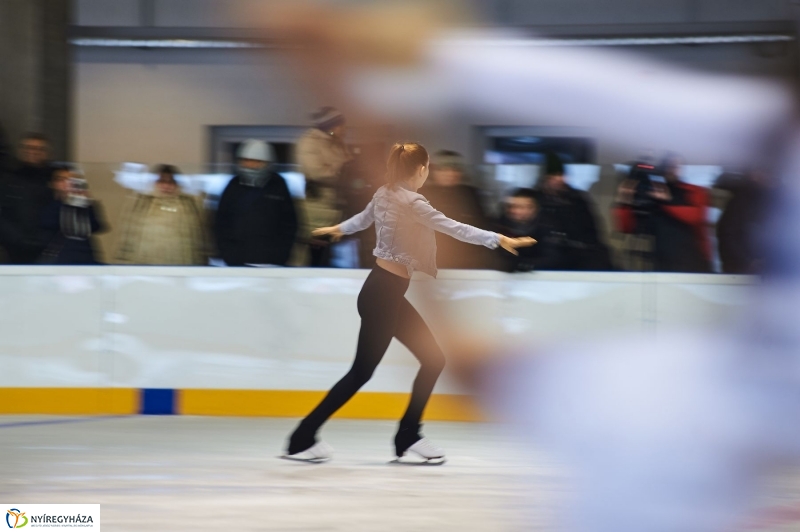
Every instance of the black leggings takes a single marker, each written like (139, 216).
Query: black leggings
(385, 313)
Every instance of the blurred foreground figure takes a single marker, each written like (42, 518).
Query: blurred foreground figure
(165, 226)
(402, 63)
(666, 432)
(669, 434)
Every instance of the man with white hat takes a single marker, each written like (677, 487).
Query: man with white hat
(256, 221)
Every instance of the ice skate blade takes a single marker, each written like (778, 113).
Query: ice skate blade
(304, 460)
(404, 460)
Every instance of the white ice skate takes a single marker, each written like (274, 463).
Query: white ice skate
(424, 452)
(316, 454)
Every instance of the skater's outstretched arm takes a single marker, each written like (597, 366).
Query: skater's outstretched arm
(437, 221)
(357, 223)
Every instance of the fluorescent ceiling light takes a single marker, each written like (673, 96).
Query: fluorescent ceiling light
(164, 43)
(610, 41)
(629, 41)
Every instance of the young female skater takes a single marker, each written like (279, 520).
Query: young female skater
(405, 223)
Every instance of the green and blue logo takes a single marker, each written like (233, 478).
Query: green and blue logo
(17, 515)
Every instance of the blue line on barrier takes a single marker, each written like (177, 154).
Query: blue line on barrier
(157, 401)
(56, 421)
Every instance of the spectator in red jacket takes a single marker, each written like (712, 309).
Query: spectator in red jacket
(674, 215)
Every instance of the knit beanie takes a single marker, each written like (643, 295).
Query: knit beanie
(553, 164)
(327, 118)
(448, 159)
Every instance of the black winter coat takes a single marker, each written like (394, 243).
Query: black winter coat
(539, 256)
(24, 193)
(63, 250)
(256, 225)
(569, 230)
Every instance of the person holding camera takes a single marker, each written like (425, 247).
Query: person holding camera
(670, 211)
(70, 221)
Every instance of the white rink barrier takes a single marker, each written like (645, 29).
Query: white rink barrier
(296, 329)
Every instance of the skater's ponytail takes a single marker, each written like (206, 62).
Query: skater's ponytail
(404, 159)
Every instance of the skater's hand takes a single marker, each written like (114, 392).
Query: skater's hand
(511, 244)
(334, 232)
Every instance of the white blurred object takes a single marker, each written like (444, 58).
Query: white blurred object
(701, 175)
(695, 174)
(134, 176)
(582, 176)
(142, 181)
(296, 182)
(664, 434)
(626, 99)
(517, 175)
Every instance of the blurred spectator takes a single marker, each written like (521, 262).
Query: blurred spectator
(70, 221)
(256, 221)
(6, 230)
(321, 153)
(165, 226)
(6, 155)
(673, 213)
(25, 192)
(519, 219)
(743, 216)
(569, 228)
(447, 192)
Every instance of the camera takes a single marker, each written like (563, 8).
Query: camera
(644, 174)
(646, 177)
(76, 197)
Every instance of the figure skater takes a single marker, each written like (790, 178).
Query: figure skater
(405, 223)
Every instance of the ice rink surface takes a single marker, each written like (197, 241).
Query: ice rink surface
(204, 473)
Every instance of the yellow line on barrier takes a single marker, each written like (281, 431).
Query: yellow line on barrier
(208, 402)
(295, 403)
(71, 401)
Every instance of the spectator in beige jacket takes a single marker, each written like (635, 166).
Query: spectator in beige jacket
(321, 153)
(165, 226)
